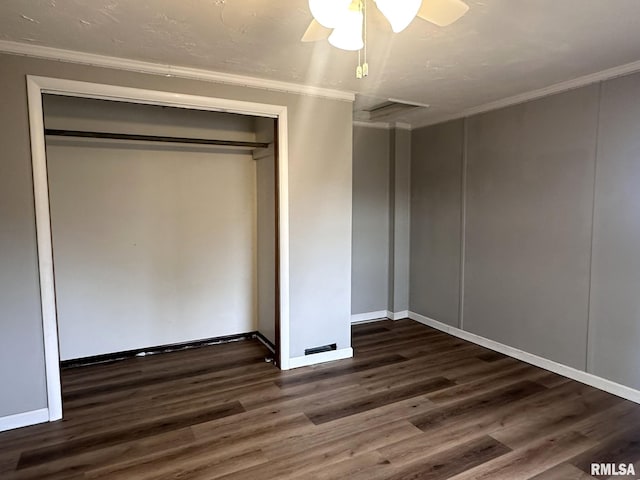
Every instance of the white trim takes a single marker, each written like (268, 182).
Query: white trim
(383, 125)
(45, 253)
(583, 81)
(323, 357)
(398, 315)
(570, 372)
(283, 207)
(117, 63)
(36, 86)
(379, 125)
(369, 316)
(380, 315)
(25, 419)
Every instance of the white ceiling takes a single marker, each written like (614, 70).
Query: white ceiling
(500, 49)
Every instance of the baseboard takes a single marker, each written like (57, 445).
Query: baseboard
(369, 317)
(25, 419)
(398, 315)
(323, 357)
(141, 352)
(378, 316)
(564, 370)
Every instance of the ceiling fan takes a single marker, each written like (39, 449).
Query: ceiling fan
(341, 21)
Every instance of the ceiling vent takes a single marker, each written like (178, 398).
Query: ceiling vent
(390, 109)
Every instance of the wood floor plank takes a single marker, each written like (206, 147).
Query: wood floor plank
(620, 448)
(382, 341)
(208, 453)
(491, 356)
(530, 461)
(345, 408)
(368, 330)
(92, 418)
(563, 471)
(443, 364)
(337, 431)
(158, 401)
(8, 463)
(445, 464)
(479, 370)
(66, 466)
(477, 405)
(491, 381)
(368, 466)
(610, 421)
(328, 453)
(447, 434)
(414, 403)
(279, 396)
(209, 467)
(564, 416)
(348, 369)
(80, 377)
(115, 435)
(156, 377)
(416, 345)
(552, 380)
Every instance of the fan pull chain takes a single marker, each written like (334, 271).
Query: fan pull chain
(362, 70)
(365, 65)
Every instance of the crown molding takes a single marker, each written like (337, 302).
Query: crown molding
(72, 56)
(583, 81)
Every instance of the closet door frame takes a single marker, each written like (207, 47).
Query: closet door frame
(36, 87)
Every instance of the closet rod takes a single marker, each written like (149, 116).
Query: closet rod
(153, 138)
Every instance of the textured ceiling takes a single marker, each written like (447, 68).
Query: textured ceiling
(501, 48)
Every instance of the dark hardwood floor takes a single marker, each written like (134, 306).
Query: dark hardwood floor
(414, 403)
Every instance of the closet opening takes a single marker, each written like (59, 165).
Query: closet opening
(165, 228)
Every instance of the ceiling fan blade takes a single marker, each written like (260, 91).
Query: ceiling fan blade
(442, 12)
(315, 32)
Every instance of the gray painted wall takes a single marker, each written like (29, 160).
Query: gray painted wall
(320, 159)
(530, 278)
(381, 183)
(371, 191)
(614, 334)
(153, 244)
(436, 176)
(265, 190)
(399, 232)
(22, 372)
(529, 199)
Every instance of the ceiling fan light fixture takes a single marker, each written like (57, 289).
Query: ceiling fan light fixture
(347, 35)
(399, 13)
(328, 12)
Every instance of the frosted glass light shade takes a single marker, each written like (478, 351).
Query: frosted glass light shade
(328, 12)
(400, 13)
(347, 35)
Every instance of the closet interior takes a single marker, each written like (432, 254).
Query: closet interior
(164, 226)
